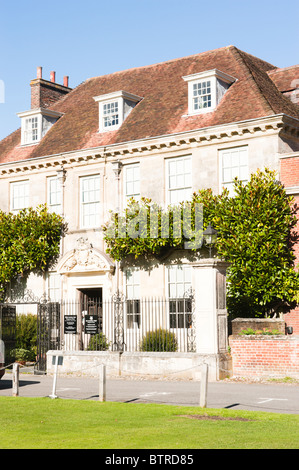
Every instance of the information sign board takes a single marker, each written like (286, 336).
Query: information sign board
(91, 324)
(70, 324)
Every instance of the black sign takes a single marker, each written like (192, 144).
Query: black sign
(91, 324)
(59, 362)
(70, 324)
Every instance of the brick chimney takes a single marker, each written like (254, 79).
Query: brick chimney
(44, 93)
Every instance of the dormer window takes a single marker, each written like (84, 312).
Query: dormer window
(114, 108)
(35, 124)
(206, 89)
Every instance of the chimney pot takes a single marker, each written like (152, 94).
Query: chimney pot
(39, 72)
(66, 81)
(52, 77)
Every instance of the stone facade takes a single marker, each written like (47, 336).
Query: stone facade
(160, 147)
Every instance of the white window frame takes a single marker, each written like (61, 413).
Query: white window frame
(54, 286)
(93, 203)
(174, 187)
(229, 172)
(132, 289)
(31, 131)
(198, 79)
(115, 118)
(54, 193)
(131, 182)
(179, 282)
(19, 192)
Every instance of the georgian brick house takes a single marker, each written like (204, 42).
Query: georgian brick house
(160, 131)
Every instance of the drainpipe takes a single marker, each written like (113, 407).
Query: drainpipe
(117, 166)
(61, 175)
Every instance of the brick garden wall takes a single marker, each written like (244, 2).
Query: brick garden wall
(265, 356)
(289, 176)
(292, 319)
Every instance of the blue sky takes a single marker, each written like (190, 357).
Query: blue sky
(88, 38)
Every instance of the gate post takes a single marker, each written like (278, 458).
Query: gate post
(118, 301)
(209, 280)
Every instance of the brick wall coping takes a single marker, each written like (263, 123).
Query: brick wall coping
(239, 324)
(265, 337)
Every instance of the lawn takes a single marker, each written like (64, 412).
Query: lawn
(42, 423)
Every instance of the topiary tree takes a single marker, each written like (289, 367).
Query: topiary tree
(98, 342)
(160, 341)
(29, 243)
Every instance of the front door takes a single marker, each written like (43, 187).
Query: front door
(91, 313)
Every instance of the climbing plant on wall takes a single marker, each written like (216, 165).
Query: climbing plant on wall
(29, 243)
(256, 234)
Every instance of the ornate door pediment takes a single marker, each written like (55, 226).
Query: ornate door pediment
(84, 258)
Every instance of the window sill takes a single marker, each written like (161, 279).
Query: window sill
(202, 111)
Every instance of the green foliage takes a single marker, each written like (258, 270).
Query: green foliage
(130, 234)
(26, 333)
(146, 229)
(29, 242)
(22, 355)
(255, 235)
(98, 342)
(264, 331)
(160, 341)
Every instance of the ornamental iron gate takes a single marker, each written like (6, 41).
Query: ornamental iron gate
(48, 324)
(48, 333)
(8, 331)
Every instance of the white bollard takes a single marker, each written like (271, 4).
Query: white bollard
(15, 379)
(53, 395)
(102, 383)
(204, 386)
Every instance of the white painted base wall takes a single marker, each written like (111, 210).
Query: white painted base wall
(184, 366)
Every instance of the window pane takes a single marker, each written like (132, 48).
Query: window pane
(179, 280)
(179, 179)
(179, 305)
(132, 278)
(54, 195)
(202, 97)
(132, 182)
(234, 164)
(90, 201)
(20, 195)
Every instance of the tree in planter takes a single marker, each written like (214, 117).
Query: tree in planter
(255, 235)
(29, 243)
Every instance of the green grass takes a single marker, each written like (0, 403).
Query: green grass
(42, 423)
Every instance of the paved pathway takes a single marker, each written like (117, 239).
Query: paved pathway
(277, 398)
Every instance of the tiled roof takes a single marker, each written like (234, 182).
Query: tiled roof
(286, 79)
(164, 105)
